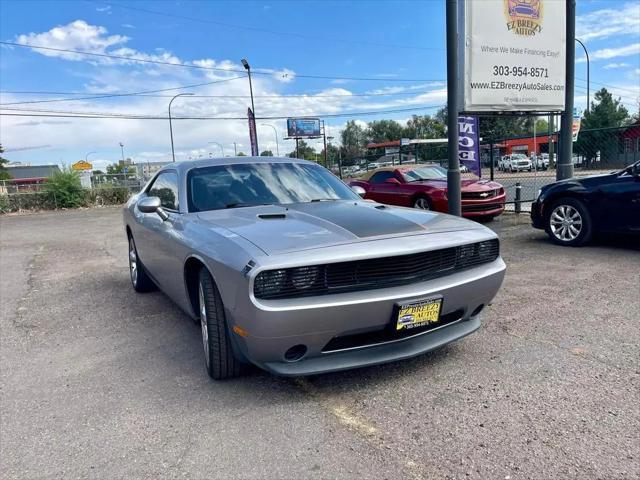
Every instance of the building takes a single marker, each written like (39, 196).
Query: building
(31, 174)
(148, 169)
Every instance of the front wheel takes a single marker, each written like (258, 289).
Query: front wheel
(218, 353)
(139, 278)
(422, 203)
(569, 223)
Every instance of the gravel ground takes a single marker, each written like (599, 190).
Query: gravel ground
(100, 382)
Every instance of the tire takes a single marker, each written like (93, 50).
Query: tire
(218, 353)
(422, 203)
(569, 223)
(140, 280)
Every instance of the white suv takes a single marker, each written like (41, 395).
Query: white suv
(516, 162)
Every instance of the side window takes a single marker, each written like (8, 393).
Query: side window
(165, 187)
(380, 177)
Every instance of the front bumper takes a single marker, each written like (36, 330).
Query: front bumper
(537, 219)
(275, 326)
(493, 206)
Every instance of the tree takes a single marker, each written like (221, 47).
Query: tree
(424, 126)
(115, 168)
(4, 173)
(380, 131)
(605, 112)
(353, 141)
(267, 153)
(598, 140)
(305, 151)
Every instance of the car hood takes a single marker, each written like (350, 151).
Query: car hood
(467, 185)
(295, 227)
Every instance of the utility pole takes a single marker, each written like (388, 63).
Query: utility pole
(565, 165)
(324, 136)
(453, 172)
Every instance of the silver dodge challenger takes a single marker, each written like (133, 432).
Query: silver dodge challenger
(287, 268)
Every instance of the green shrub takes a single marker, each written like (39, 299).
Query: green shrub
(65, 190)
(107, 195)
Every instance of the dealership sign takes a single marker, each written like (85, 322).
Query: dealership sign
(253, 136)
(469, 143)
(513, 55)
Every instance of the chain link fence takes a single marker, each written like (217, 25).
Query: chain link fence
(522, 164)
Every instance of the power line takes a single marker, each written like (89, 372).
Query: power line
(272, 32)
(217, 69)
(104, 115)
(610, 86)
(145, 94)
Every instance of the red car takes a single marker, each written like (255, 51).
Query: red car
(425, 187)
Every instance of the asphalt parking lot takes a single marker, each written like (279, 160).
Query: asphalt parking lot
(100, 382)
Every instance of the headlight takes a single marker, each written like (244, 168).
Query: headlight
(269, 282)
(304, 277)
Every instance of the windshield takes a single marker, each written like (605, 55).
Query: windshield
(425, 173)
(245, 185)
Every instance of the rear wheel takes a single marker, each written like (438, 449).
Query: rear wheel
(218, 353)
(139, 278)
(569, 223)
(422, 203)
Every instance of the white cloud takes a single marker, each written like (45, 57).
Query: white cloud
(610, 66)
(77, 35)
(127, 25)
(608, 53)
(609, 22)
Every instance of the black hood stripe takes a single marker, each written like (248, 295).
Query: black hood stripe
(362, 221)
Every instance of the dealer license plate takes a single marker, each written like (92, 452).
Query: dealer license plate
(418, 314)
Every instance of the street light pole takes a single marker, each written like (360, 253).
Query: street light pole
(588, 68)
(86, 157)
(235, 149)
(122, 150)
(564, 167)
(276, 132)
(173, 153)
(220, 145)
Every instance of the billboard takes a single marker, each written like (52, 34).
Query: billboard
(303, 127)
(513, 54)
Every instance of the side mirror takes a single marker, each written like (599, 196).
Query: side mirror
(152, 205)
(359, 190)
(392, 181)
(635, 170)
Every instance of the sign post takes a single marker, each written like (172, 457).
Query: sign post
(564, 168)
(453, 172)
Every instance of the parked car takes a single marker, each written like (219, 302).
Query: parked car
(516, 162)
(540, 162)
(572, 210)
(425, 187)
(285, 267)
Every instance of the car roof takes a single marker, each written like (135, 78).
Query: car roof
(183, 167)
(392, 168)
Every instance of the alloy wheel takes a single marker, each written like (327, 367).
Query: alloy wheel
(565, 223)
(422, 204)
(133, 262)
(203, 323)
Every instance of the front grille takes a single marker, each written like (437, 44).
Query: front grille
(372, 273)
(483, 207)
(480, 195)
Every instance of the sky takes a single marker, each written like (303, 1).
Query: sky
(363, 61)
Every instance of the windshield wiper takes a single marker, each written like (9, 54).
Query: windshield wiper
(243, 204)
(324, 199)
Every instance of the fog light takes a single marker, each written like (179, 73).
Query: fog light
(295, 353)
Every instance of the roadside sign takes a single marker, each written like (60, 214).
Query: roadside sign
(404, 142)
(468, 144)
(575, 128)
(513, 54)
(82, 165)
